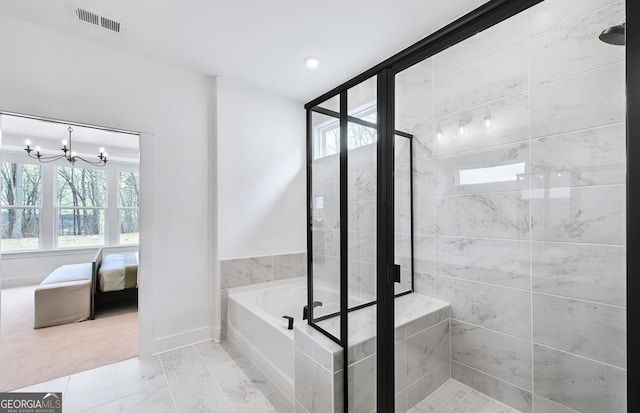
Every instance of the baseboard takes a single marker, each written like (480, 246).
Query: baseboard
(189, 338)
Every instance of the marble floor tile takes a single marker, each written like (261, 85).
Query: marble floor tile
(91, 388)
(454, 396)
(241, 383)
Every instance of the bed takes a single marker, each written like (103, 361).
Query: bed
(114, 277)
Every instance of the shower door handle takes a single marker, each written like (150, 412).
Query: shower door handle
(395, 273)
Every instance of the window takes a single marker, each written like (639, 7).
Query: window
(81, 199)
(358, 134)
(129, 202)
(21, 204)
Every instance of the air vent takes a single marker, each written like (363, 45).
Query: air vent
(87, 16)
(110, 24)
(97, 20)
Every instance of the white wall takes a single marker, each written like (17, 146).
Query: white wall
(261, 172)
(54, 75)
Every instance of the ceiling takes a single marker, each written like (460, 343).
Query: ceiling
(49, 136)
(262, 42)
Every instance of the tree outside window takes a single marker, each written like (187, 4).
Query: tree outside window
(21, 201)
(81, 198)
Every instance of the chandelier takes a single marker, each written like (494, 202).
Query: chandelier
(68, 154)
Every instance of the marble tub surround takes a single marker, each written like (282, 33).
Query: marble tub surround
(249, 271)
(519, 209)
(202, 378)
(246, 271)
(422, 357)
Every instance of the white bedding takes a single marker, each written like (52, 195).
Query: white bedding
(118, 272)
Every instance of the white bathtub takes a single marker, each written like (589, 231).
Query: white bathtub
(256, 325)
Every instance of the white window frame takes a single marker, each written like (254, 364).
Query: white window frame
(48, 239)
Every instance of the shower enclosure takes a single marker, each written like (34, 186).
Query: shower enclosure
(484, 166)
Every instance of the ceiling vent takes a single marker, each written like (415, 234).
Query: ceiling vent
(98, 20)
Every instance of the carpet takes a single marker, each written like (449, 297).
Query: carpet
(29, 356)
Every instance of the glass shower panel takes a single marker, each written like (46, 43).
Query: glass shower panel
(362, 189)
(325, 216)
(403, 236)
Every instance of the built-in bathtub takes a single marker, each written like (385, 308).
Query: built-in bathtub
(256, 324)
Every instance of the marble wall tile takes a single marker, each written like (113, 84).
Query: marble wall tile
(499, 37)
(498, 355)
(419, 390)
(362, 157)
(427, 350)
(289, 266)
(362, 184)
(496, 76)
(592, 99)
(509, 122)
(502, 262)
(423, 183)
(497, 215)
(314, 385)
(424, 284)
(400, 366)
(246, 271)
(193, 387)
(422, 140)
(401, 402)
(423, 216)
(581, 384)
(414, 76)
(498, 308)
(587, 214)
(402, 215)
(362, 385)
(587, 329)
(422, 323)
(402, 180)
(589, 272)
(414, 106)
(423, 254)
(590, 157)
(367, 216)
(496, 169)
(502, 391)
(544, 405)
(551, 13)
(574, 47)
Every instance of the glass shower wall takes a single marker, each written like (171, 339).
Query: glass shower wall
(519, 205)
(325, 213)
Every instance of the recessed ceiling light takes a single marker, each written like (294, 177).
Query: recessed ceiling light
(311, 62)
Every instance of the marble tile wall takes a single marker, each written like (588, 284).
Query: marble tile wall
(519, 205)
(246, 271)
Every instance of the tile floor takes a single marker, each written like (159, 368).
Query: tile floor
(208, 377)
(211, 377)
(455, 397)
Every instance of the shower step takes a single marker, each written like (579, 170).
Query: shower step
(456, 397)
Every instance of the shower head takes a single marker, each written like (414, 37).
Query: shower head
(614, 35)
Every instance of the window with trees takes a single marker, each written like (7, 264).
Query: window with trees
(81, 198)
(21, 205)
(129, 202)
(45, 206)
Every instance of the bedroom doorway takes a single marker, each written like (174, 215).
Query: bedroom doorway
(69, 241)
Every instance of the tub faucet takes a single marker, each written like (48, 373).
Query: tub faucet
(289, 322)
(305, 309)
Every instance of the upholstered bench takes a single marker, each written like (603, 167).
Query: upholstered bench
(64, 296)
